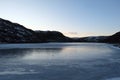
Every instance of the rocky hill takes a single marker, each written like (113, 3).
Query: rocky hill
(52, 36)
(15, 33)
(115, 38)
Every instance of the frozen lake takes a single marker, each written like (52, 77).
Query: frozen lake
(59, 61)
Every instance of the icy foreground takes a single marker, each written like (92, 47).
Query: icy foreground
(114, 79)
(59, 61)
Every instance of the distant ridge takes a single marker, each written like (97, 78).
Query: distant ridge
(15, 33)
(115, 38)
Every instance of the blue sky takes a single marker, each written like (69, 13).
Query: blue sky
(72, 17)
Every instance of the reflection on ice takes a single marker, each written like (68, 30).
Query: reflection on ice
(59, 61)
(68, 53)
(15, 73)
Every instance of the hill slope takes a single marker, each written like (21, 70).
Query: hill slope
(15, 33)
(115, 38)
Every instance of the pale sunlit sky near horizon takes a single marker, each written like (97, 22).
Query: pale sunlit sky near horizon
(72, 17)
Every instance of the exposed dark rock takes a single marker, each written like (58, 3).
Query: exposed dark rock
(52, 36)
(16, 33)
(115, 38)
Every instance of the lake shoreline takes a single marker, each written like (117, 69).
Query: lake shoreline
(49, 44)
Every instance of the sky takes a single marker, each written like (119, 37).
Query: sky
(74, 18)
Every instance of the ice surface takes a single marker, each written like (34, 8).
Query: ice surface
(59, 61)
(15, 73)
(118, 78)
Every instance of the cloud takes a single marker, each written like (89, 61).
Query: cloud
(73, 33)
